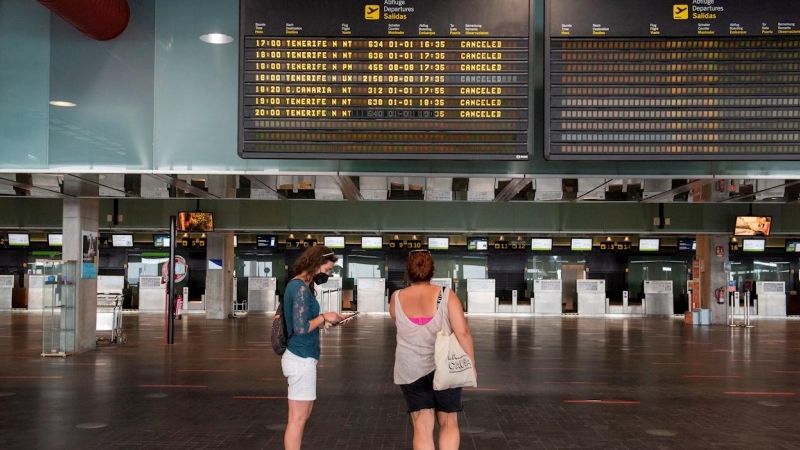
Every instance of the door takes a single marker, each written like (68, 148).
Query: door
(570, 274)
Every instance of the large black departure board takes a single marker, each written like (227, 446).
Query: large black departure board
(672, 79)
(404, 79)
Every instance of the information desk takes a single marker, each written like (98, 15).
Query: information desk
(658, 298)
(7, 285)
(481, 295)
(771, 298)
(371, 295)
(261, 294)
(152, 295)
(591, 297)
(446, 79)
(547, 297)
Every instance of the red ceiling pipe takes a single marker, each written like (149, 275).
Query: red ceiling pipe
(99, 19)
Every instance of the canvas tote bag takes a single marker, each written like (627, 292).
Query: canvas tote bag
(453, 367)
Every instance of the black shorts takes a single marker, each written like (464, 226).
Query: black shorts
(420, 395)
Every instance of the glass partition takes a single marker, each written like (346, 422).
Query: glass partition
(641, 269)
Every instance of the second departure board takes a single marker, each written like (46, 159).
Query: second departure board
(404, 79)
(671, 79)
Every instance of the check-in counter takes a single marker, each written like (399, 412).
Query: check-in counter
(658, 298)
(371, 295)
(443, 282)
(329, 295)
(261, 293)
(480, 295)
(152, 295)
(7, 285)
(591, 297)
(547, 297)
(37, 291)
(771, 298)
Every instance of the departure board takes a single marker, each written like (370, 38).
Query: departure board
(402, 79)
(680, 80)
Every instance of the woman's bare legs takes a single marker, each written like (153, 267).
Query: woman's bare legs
(449, 436)
(299, 411)
(423, 421)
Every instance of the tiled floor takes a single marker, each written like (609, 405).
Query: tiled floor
(545, 383)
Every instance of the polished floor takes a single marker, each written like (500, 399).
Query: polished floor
(545, 383)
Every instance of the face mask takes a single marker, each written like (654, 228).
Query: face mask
(320, 278)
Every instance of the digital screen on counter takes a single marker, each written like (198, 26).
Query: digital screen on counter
(160, 240)
(334, 241)
(19, 239)
(438, 243)
(687, 244)
(122, 240)
(792, 245)
(371, 242)
(544, 244)
(266, 241)
(477, 243)
(55, 240)
(754, 245)
(410, 79)
(649, 244)
(581, 244)
(710, 79)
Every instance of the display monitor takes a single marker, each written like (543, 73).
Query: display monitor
(581, 244)
(544, 244)
(754, 245)
(189, 221)
(334, 241)
(122, 240)
(161, 240)
(371, 242)
(752, 226)
(792, 245)
(438, 243)
(266, 241)
(18, 239)
(649, 244)
(55, 240)
(477, 243)
(687, 244)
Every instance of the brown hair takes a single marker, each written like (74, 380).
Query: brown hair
(419, 266)
(313, 258)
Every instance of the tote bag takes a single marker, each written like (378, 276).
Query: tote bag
(453, 367)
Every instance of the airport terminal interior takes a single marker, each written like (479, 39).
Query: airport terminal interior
(611, 190)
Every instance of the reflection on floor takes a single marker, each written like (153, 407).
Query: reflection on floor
(545, 383)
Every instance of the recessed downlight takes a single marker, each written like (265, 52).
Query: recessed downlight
(62, 103)
(216, 38)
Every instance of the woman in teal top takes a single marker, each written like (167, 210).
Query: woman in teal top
(303, 322)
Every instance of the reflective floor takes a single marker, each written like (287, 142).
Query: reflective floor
(545, 383)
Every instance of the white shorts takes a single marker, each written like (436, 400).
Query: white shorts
(302, 376)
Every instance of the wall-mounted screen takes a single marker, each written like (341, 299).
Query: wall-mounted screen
(545, 244)
(792, 245)
(477, 243)
(581, 244)
(649, 244)
(334, 241)
(266, 241)
(161, 240)
(195, 221)
(55, 240)
(754, 245)
(122, 240)
(371, 242)
(752, 226)
(440, 79)
(18, 239)
(438, 243)
(687, 244)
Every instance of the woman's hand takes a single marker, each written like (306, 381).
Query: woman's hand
(332, 317)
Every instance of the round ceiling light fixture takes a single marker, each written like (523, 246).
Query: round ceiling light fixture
(216, 38)
(62, 103)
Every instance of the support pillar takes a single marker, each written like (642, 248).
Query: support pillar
(712, 273)
(81, 215)
(219, 246)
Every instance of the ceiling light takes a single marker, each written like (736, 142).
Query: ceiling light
(62, 103)
(627, 239)
(608, 239)
(216, 38)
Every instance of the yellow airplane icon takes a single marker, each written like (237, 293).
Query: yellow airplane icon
(372, 12)
(680, 12)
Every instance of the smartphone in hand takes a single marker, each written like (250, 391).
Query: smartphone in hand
(346, 319)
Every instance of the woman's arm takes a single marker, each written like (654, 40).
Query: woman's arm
(460, 328)
(391, 304)
(300, 313)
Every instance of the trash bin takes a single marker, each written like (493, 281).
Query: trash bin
(705, 316)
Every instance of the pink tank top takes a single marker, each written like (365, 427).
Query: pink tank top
(420, 320)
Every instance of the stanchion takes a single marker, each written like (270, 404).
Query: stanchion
(731, 307)
(747, 310)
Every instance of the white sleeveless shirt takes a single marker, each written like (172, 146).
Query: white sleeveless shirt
(413, 358)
